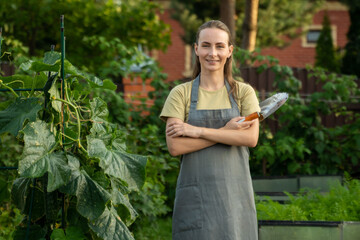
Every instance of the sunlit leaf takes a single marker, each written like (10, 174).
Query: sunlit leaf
(116, 162)
(24, 81)
(99, 116)
(110, 227)
(73, 71)
(40, 67)
(54, 92)
(51, 57)
(107, 84)
(39, 159)
(124, 209)
(91, 197)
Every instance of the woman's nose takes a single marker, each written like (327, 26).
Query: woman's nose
(212, 52)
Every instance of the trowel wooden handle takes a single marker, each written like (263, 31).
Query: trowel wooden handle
(252, 116)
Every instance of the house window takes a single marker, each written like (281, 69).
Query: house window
(312, 35)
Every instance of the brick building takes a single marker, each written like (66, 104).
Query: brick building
(301, 51)
(176, 61)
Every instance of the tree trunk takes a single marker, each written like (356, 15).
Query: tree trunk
(250, 25)
(227, 15)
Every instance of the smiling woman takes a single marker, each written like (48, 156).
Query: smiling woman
(214, 195)
(213, 50)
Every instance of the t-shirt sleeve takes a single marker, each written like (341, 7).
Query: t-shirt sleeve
(249, 101)
(175, 105)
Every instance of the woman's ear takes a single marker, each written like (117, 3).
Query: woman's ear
(195, 49)
(231, 49)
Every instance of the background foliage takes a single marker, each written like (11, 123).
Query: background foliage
(277, 18)
(302, 144)
(92, 28)
(339, 204)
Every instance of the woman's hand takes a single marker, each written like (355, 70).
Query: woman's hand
(234, 125)
(181, 129)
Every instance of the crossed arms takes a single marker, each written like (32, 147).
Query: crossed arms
(182, 138)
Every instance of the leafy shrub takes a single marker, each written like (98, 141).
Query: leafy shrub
(74, 161)
(340, 204)
(144, 134)
(302, 144)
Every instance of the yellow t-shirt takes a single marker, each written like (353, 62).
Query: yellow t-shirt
(177, 104)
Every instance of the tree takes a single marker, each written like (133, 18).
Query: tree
(276, 18)
(250, 25)
(227, 15)
(351, 60)
(127, 22)
(325, 53)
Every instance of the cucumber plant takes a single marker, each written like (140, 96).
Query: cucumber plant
(75, 173)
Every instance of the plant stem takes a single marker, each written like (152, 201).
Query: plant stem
(77, 117)
(15, 81)
(11, 90)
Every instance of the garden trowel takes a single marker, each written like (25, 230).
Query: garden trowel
(268, 107)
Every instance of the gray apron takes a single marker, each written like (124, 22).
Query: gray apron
(214, 195)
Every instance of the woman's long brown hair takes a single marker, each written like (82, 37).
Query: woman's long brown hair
(228, 65)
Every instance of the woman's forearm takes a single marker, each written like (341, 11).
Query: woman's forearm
(182, 145)
(183, 138)
(242, 137)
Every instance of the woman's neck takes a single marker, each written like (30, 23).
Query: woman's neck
(212, 81)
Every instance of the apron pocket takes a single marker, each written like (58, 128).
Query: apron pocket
(187, 209)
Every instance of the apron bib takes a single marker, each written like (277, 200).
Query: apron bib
(214, 195)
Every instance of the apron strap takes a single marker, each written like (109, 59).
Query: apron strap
(195, 94)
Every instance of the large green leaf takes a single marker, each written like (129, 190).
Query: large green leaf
(130, 168)
(107, 84)
(91, 197)
(24, 81)
(101, 128)
(51, 57)
(110, 227)
(99, 110)
(21, 197)
(13, 117)
(73, 71)
(40, 66)
(72, 233)
(38, 158)
(54, 92)
(124, 207)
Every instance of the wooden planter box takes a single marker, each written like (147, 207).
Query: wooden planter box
(308, 230)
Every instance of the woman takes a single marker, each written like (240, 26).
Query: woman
(214, 195)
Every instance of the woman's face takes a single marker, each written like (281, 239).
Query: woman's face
(213, 49)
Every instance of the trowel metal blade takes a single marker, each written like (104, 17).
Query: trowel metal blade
(271, 104)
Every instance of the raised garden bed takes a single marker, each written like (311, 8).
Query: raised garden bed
(274, 187)
(308, 230)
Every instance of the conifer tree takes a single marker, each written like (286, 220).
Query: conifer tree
(325, 52)
(351, 60)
